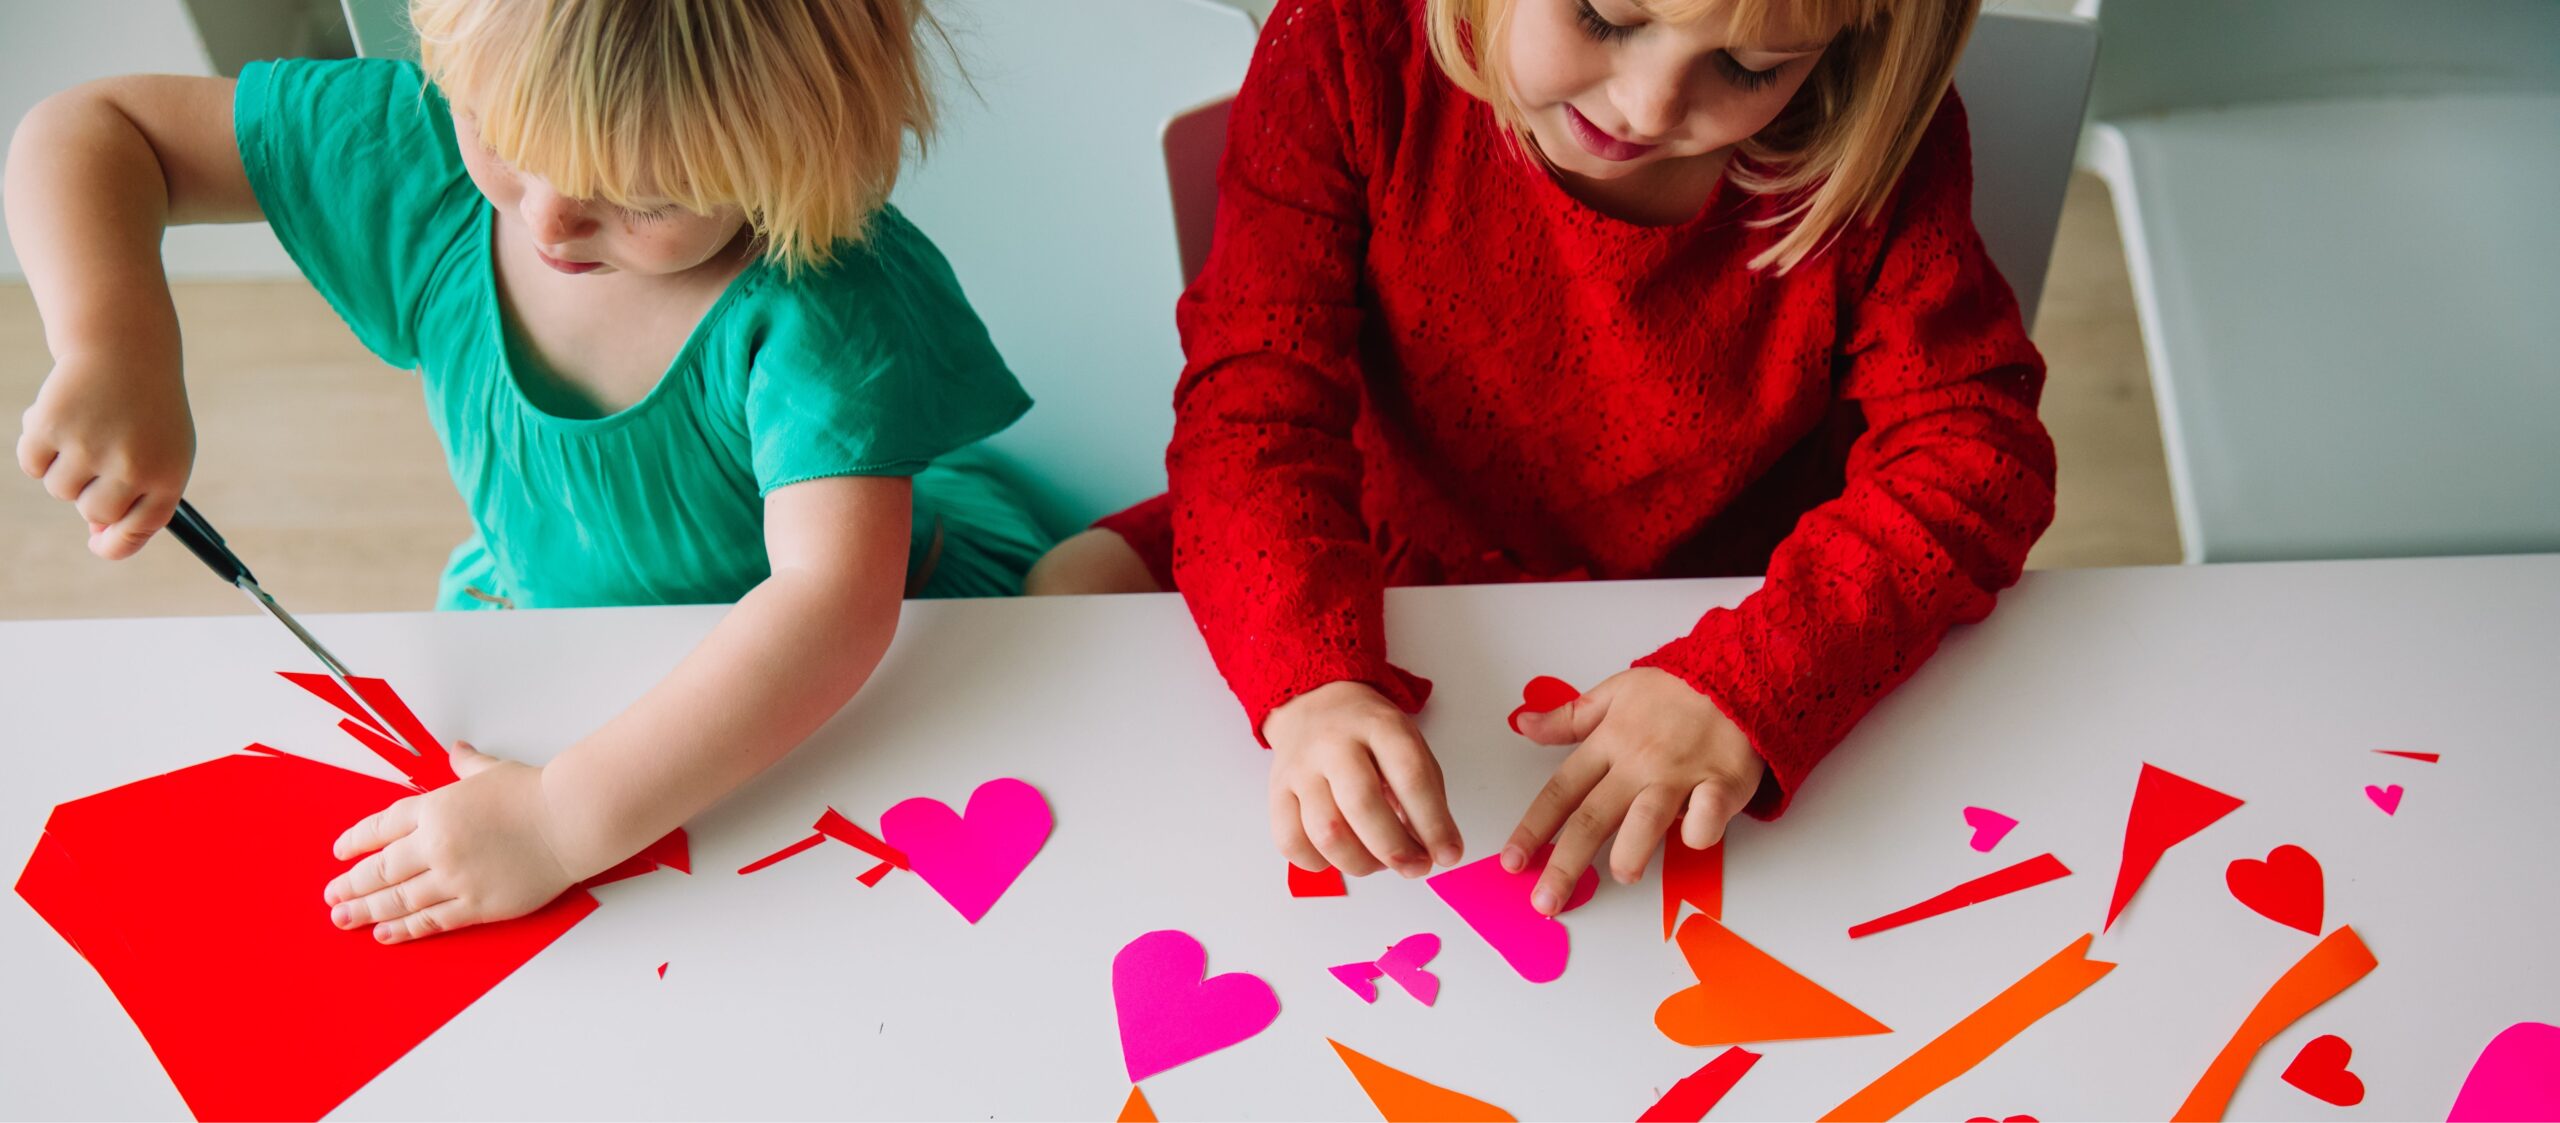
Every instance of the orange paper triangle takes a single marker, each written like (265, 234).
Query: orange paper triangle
(1743, 995)
(1405, 1098)
(1137, 1110)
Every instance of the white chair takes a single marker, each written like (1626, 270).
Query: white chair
(2338, 218)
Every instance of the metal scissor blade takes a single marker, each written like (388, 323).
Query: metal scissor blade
(337, 670)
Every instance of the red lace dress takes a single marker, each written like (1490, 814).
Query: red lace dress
(1414, 359)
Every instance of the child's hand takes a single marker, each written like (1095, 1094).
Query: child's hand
(112, 437)
(470, 852)
(1654, 751)
(1353, 785)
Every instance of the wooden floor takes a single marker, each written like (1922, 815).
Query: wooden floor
(317, 463)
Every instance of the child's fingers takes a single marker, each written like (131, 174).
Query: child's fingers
(442, 917)
(1578, 843)
(1415, 786)
(386, 905)
(380, 870)
(67, 477)
(1362, 796)
(1329, 834)
(1573, 780)
(105, 500)
(1711, 805)
(128, 535)
(1574, 721)
(1290, 835)
(35, 455)
(378, 829)
(469, 761)
(1649, 821)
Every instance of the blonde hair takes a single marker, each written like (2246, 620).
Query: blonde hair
(795, 111)
(1835, 150)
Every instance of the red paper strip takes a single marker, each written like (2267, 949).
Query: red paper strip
(834, 825)
(872, 876)
(429, 767)
(2167, 809)
(2430, 758)
(1697, 1093)
(804, 844)
(662, 970)
(2028, 874)
(327, 690)
(670, 851)
(1326, 882)
(1693, 877)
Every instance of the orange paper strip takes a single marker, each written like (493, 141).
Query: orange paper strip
(2329, 967)
(1402, 1097)
(1981, 1033)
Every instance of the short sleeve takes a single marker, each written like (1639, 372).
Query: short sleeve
(354, 163)
(872, 365)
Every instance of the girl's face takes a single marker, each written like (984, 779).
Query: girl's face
(581, 236)
(1609, 90)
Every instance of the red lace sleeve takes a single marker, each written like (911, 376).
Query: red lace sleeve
(1270, 549)
(1948, 486)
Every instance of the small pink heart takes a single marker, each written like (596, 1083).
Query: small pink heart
(1362, 978)
(1989, 827)
(1404, 961)
(1170, 1015)
(971, 859)
(1496, 904)
(2388, 799)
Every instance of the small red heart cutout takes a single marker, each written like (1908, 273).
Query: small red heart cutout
(1543, 693)
(2321, 1069)
(2285, 888)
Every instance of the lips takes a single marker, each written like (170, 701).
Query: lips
(568, 266)
(1599, 143)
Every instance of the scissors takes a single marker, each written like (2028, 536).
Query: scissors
(208, 547)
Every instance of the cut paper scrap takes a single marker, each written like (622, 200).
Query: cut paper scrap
(662, 970)
(1402, 1097)
(2285, 888)
(973, 857)
(234, 1044)
(2429, 758)
(2010, 1119)
(672, 851)
(2331, 966)
(1326, 882)
(1403, 962)
(1495, 903)
(809, 843)
(832, 824)
(2320, 1069)
(1698, 1093)
(1745, 995)
(1978, 1035)
(1171, 1014)
(1542, 694)
(1137, 1109)
(1989, 827)
(427, 768)
(2387, 798)
(2167, 809)
(2516, 1077)
(1998, 883)
(1691, 877)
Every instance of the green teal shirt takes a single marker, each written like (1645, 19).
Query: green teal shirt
(871, 365)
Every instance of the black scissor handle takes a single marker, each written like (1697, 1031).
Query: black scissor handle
(207, 545)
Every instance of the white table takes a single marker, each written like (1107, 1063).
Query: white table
(2271, 682)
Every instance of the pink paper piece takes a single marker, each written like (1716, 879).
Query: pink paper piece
(1404, 963)
(1169, 1014)
(971, 859)
(2388, 799)
(2516, 1077)
(1362, 978)
(1496, 904)
(1989, 827)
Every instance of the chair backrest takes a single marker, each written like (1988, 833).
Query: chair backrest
(2165, 56)
(2025, 80)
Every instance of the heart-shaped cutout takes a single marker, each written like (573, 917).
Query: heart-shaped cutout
(2285, 888)
(1170, 1014)
(971, 859)
(1404, 963)
(1362, 978)
(1543, 693)
(2321, 1069)
(2386, 798)
(1495, 903)
(2513, 1079)
(1989, 827)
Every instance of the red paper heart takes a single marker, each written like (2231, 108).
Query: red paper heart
(2285, 888)
(2321, 1069)
(1543, 693)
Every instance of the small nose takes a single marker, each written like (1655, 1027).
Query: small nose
(554, 218)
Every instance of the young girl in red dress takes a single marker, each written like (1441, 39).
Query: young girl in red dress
(1531, 290)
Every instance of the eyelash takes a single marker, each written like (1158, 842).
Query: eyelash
(1743, 78)
(659, 215)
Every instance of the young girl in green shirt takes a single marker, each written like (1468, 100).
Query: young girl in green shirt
(677, 347)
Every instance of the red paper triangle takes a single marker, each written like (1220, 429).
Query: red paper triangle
(2167, 809)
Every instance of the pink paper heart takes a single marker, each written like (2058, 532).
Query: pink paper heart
(2516, 1077)
(971, 859)
(2388, 799)
(1170, 1015)
(1404, 961)
(1496, 904)
(1362, 978)
(1989, 827)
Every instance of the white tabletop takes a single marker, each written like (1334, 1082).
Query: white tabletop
(2274, 683)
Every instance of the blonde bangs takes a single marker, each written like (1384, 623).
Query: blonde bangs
(797, 112)
(1837, 149)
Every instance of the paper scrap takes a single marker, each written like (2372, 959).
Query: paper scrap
(1998, 883)
(1137, 1109)
(2167, 809)
(1989, 827)
(1690, 877)
(1696, 1094)
(1402, 1097)
(2387, 798)
(1745, 995)
(1326, 882)
(2430, 758)
(1978, 1035)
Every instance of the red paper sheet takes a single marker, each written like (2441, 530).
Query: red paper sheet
(2028, 874)
(1326, 882)
(1691, 877)
(2167, 809)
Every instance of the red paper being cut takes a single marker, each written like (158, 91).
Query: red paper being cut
(255, 1004)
